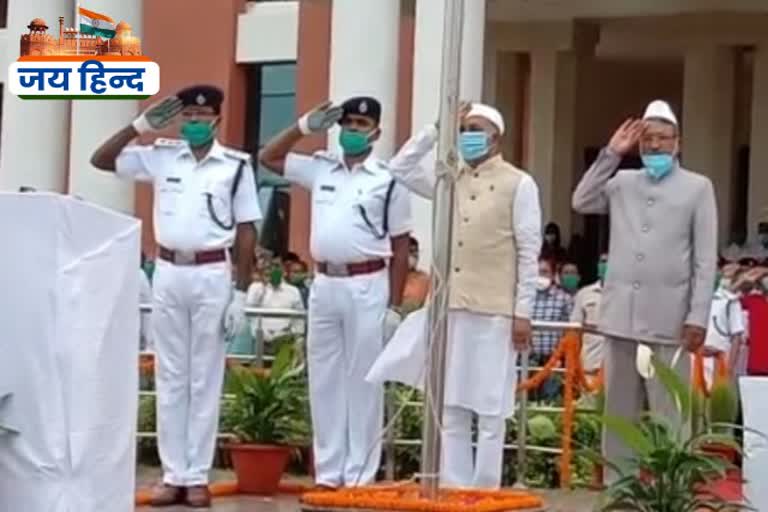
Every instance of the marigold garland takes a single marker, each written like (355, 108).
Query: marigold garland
(572, 343)
(569, 352)
(538, 379)
(407, 498)
(722, 372)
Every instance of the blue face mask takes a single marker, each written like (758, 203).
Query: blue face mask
(473, 145)
(658, 165)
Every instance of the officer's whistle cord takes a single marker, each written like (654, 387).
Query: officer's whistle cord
(227, 226)
(384, 233)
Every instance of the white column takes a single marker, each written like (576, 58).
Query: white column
(427, 71)
(708, 123)
(93, 122)
(35, 138)
(552, 129)
(365, 42)
(758, 154)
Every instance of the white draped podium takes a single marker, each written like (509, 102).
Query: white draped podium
(69, 346)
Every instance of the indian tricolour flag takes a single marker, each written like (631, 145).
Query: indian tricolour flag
(95, 24)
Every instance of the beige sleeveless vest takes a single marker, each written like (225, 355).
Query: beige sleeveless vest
(484, 258)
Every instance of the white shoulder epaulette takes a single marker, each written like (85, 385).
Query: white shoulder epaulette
(237, 154)
(168, 143)
(326, 156)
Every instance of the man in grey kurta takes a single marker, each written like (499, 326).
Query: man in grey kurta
(661, 263)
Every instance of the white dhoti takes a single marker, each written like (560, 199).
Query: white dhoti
(480, 378)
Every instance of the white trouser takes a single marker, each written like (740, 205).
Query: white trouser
(190, 351)
(458, 468)
(346, 329)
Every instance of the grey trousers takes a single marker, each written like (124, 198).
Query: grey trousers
(628, 395)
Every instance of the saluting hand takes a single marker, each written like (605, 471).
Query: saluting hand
(320, 118)
(159, 115)
(626, 137)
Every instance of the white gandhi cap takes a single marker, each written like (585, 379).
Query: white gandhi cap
(489, 113)
(659, 109)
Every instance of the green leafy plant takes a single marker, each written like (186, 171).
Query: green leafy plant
(270, 407)
(723, 405)
(669, 471)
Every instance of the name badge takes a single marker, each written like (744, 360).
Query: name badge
(327, 188)
(173, 180)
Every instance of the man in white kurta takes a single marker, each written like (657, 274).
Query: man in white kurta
(497, 237)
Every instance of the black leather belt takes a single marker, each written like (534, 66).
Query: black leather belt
(351, 269)
(193, 258)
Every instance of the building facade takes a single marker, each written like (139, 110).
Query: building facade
(564, 73)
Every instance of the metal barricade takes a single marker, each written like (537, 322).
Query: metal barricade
(391, 441)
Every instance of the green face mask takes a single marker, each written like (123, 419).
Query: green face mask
(569, 282)
(149, 269)
(276, 277)
(602, 270)
(197, 133)
(354, 143)
(718, 278)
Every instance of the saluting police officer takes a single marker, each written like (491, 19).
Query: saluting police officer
(205, 200)
(359, 242)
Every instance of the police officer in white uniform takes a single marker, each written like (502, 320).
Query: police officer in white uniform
(205, 201)
(359, 242)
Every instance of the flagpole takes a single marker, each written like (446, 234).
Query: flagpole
(77, 26)
(442, 236)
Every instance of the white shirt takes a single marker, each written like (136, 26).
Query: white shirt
(182, 219)
(339, 231)
(726, 319)
(285, 296)
(407, 169)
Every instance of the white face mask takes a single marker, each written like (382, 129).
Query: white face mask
(412, 262)
(543, 283)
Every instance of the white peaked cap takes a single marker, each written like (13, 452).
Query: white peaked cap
(489, 113)
(659, 109)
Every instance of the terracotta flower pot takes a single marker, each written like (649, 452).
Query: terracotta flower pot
(720, 450)
(259, 468)
(597, 478)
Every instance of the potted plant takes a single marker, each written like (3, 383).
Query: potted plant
(669, 471)
(269, 417)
